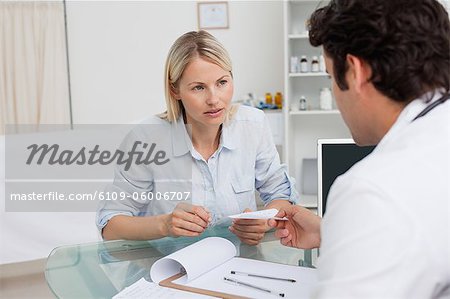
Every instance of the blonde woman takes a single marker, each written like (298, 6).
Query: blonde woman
(229, 147)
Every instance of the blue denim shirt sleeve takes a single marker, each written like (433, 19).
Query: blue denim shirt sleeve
(135, 180)
(271, 177)
(123, 185)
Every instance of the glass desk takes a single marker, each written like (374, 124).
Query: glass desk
(101, 270)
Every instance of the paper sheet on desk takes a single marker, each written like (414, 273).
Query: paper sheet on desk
(263, 214)
(208, 261)
(143, 289)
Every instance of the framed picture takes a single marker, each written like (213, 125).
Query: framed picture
(212, 15)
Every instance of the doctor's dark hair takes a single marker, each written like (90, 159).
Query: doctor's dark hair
(406, 43)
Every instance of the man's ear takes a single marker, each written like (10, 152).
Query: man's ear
(359, 72)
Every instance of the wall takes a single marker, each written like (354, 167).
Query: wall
(117, 52)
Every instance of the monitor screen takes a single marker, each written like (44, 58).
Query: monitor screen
(335, 157)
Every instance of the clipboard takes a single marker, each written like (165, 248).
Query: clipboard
(194, 269)
(168, 282)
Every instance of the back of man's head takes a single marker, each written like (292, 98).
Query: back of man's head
(406, 43)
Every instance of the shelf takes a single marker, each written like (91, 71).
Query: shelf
(314, 112)
(303, 1)
(272, 111)
(298, 36)
(302, 128)
(309, 74)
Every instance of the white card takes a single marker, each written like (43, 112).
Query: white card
(263, 214)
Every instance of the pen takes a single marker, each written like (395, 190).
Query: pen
(241, 283)
(262, 276)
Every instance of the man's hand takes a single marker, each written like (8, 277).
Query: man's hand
(187, 220)
(302, 230)
(249, 231)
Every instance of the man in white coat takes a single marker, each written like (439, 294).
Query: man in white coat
(386, 231)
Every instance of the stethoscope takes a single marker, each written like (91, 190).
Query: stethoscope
(433, 105)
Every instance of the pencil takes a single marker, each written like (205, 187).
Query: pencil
(262, 276)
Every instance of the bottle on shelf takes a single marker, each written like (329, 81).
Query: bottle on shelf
(295, 64)
(295, 106)
(315, 64)
(279, 100)
(302, 103)
(269, 100)
(322, 67)
(303, 64)
(325, 99)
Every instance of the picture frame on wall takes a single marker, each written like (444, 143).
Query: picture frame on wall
(212, 15)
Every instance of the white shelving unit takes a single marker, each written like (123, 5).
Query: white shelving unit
(314, 112)
(303, 128)
(310, 74)
(298, 36)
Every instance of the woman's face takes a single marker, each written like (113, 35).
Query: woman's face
(206, 91)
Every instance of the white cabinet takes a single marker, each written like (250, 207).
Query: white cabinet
(303, 128)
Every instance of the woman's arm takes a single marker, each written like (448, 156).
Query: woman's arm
(185, 220)
(275, 188)
(271, 177)
(135, 228)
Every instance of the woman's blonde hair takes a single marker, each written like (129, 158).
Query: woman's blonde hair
(187, 47)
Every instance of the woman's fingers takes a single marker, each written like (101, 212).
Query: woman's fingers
(178, 231)
(248, 238)
(202, 213)
(188, 225)
(286, 241)
(192, 213)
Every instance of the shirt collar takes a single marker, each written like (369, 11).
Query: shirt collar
(181, 142)
(410, 112)
(416, 106)
(227, 139)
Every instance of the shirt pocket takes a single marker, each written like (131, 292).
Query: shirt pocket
(244, 191)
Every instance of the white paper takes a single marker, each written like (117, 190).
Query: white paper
(306, 279)
(196, 259)
(263, 214)
(143, 289)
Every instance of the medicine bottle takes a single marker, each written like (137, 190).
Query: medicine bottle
(326, 99)
(295, 64)
(269, 98)
(302, 103)
(322, 66)
(315, 64)
(303, 64)
(279, 100)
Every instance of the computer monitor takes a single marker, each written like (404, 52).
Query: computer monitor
(335, 157)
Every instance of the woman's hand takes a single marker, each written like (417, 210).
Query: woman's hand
(187, 220)
(249, 231)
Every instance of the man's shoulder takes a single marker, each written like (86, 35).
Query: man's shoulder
(408, 160)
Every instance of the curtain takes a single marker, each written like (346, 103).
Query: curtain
(33, 67)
